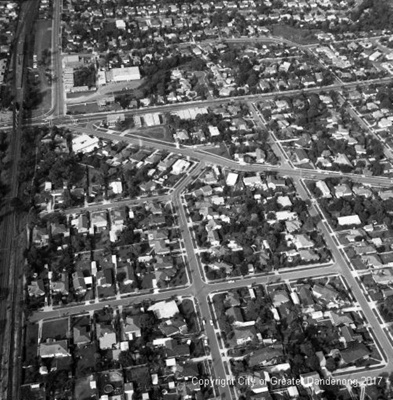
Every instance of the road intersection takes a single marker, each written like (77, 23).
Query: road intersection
(198, 286)
(201, 290)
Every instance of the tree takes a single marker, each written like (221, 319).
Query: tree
(18, 205)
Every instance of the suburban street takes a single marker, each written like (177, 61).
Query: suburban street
(210, 158)
(11, 311)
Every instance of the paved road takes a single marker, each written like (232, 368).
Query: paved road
(384, 344)
(206, 103)
(120, 203)
(210, 158)
(198, 287)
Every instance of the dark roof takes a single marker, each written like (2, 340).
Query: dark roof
(175, 349)
(354, 352)
(305, 296)
(265, 354)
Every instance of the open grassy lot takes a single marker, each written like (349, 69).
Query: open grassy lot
(56, 329)
(221, 151)
(301, 36)
(156, 132)
(43, 43)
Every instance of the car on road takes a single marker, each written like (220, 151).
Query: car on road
(211, 322)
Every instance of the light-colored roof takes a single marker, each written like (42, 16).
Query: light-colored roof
(54, 349)
(164, 309)
(349, 220)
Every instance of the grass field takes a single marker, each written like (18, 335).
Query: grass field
(43, 37)
(220, 151)
(301, 36)
(43, 41)
(83, 109)
(156, 132)
(55, 329)
(75, 95)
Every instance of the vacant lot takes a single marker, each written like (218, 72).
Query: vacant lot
(221, 151)
(57, 329)
(301, 36)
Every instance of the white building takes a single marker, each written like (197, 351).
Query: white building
(180, 166)
(120, 24)
(123, 74)
(213, 130)
(349, 220)
(232, 179)
(321, 185)
(84, 143)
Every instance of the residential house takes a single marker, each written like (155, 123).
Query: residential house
(301, 156)
(105, 277)
(244, 335)
(323, 187)
(343, 190)
(59, 230)
(325, 293)
(78, 282)
(280, 297)
(349, 220)
(235, 315)
(306, 300)
(61, 286)
(36, 288)
(54, 349)
(355, 352)
(131, 328)
(310, 381)
(82, 334)
(266, 356)
(106, 336)
(164, 309)
(99, 219)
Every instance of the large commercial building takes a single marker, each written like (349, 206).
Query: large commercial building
(123, 74)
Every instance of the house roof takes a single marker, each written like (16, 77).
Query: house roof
(305, 296)
(36, 288)
(349, 220)
(106, 335)
(263, 355)
(81, 334)
(164, 309)
(340, 319)
(236, 313)
(280, 297)
(175, 349)
(355, 351)
(131, 325)
(325, 292)
(244, 333)
(54, 349)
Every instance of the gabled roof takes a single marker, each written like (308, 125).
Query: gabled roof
(131, 325)
(325, 292)
(305, 296)
(81, 334)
